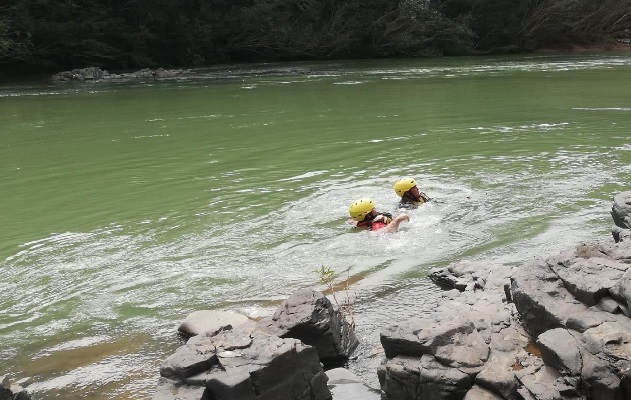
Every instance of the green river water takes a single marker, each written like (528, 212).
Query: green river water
(124, 206)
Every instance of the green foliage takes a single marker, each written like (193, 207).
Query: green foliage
(65, 34)
(327, 278)
(565, 22)
(326, 274)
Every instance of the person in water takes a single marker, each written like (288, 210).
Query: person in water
(410, 195)
(366, 216)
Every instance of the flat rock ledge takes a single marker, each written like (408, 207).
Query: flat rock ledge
(277, 358)
(96, 73)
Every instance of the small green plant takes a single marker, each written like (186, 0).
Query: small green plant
(327, 277)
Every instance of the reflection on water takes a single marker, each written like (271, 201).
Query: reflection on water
(155, 201)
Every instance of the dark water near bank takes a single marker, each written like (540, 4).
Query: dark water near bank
(124, 206)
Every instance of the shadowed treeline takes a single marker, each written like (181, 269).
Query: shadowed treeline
(63, 34)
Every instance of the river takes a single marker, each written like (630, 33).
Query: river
(124, 206)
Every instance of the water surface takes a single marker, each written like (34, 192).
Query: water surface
(127, 205)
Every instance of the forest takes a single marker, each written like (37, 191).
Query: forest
(45, 35)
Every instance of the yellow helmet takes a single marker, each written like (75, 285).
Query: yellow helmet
(361, 208)
(403, 185)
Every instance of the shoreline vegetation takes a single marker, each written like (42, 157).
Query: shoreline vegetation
(48, 37)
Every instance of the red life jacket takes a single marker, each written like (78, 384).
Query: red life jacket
(377, 225)
(379, 221)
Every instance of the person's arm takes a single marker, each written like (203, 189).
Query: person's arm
(394, 225)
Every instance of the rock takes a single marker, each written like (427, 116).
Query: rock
(498, 375)
(561, 351)
(471, 276)
(310, 317)
(344, 385)
(404, 378)
(95, 73)
(541, 298)
(236, 365)
(621, 210)
(209, 322)
(589, 280)
(541, 383)
(621, 214)
(10, 390)
(620, 234)
(80, 74)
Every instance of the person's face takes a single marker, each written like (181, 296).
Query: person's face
(415, 192)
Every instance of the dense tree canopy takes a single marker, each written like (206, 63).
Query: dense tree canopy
(62, 34)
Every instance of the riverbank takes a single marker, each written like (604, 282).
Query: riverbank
(553, 328)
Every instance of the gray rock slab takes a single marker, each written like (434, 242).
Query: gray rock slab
(561, 350)
(609, 305)
(424, 378)
(600, 383)
(621, 291)
(541, 298)
(541, 383)
(243, 365)
(498, 374)
(209, 322)
(589, 280)
(612, 339)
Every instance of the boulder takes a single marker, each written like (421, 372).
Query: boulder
(10, 390)
(560, 350)
(621, 214)
(81, 74)
(412, 378)
(310, 317)
(236, 365)
(541, 298)
(210, 322)
(589, 280)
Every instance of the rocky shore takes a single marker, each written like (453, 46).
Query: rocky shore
(95, 73)
(553, 328)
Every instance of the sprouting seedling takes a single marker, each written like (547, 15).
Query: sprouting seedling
(327, 277)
